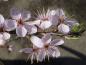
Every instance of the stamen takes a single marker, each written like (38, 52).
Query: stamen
(45, 18)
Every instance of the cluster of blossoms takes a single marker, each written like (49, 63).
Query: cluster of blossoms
(44, 46)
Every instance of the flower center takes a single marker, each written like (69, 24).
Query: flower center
(46, 46)
(20, 22)
(45, 18)
(2, 29)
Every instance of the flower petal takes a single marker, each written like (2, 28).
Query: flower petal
(54, 19)
(37, 22)
(26, 50)
(45, 24)
(6, 36)
(64, 29)
(57, 42)
(30, 23)
(53, 52)
(50, 51)
(37, 41)
(52, 12)
(56, 52)
(21, 31)
(62, 13)
(41, 55)
(15, 13)
(31, 29)
(1, 20)
(47, 38)
(10, 25)
(25, 15)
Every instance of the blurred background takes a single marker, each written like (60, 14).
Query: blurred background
(72, 52)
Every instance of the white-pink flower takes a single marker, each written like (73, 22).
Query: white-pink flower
(4, 36)
(47, 46)
(55, 15)
(59, 16)
(44, 19)
(42, 48)
(19, 22)
(64, 24)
